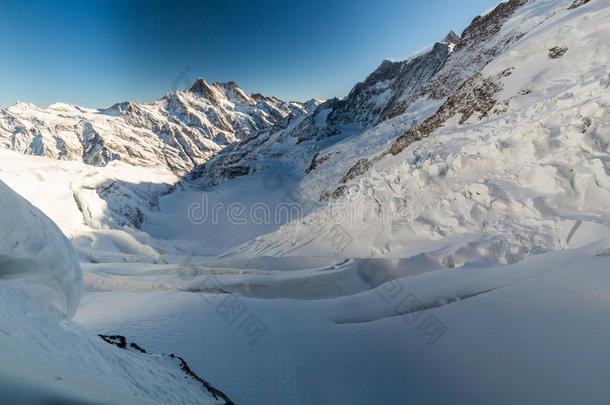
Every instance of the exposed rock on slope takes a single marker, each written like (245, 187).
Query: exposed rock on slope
(384, 91)
(557, 52)
(121, 342)
(479, 44)
(578, 3)
(475, 96)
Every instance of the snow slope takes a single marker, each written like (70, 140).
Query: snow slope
(46, 357)
(523, 333)
(48, 361)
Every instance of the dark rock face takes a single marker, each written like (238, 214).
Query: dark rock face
(237, 171)
(557, 52)
(229, 164)
(121, 342)
(478, 45)
(382, 95)
(187, 370)
(452, 38)
(482, 28)
(117, 340)
(362, 166)
(382, 92)
(316, 161)
(475, 96)
(200, 87)
(577, 3)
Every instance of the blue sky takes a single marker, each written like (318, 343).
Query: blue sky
(97, 53)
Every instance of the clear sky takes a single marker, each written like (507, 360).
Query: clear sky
(95, 53)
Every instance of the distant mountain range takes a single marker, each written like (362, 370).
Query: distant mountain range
(185, 129)
(181, 130)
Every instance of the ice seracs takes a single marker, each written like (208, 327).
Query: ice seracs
(508, 164)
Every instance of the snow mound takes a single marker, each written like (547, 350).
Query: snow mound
(35, 255)
(45, 361)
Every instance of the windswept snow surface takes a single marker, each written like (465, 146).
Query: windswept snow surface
(335, 332)
(46, 360)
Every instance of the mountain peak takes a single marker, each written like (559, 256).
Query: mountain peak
(200, 86)
(213, 92)
(452, 38)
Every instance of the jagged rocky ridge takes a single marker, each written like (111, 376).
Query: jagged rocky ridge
(460, 81)
(475, 96)
(382, 95)
(385, 94)
(181, 130)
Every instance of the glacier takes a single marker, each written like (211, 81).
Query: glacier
(450, 245)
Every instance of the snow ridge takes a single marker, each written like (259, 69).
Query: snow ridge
(35, 255)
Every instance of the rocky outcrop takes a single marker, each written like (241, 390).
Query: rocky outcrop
(577, 3)
(479, 44)
(386, 90)
(120, 341)
(557, 52)
(483, 28)
(452, 38)
(316, 161)
(468, 94)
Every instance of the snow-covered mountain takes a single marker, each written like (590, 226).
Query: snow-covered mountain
(509, 161)
(400, 94)
(383, 94)
(179, 131)
(439, 235)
